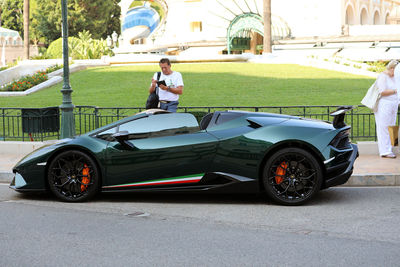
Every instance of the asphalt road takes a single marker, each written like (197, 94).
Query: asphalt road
(340, 227)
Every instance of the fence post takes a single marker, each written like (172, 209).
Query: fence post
(352, 128)
(4, 124)
(96, 117)
(80, 119)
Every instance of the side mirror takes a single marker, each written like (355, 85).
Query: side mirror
(123, 138)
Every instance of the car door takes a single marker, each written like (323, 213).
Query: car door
(168, 148)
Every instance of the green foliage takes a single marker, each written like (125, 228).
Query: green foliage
(99, 17)
(136, 3)
(31, 80)
(114, 21)
(53, 68)
(12, 15)
(9, 65)
(26, 82)
(55, 49)
(377, 66)
(83, 47)
(42, 54)
(157, 6)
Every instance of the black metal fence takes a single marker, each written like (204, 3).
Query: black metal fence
(18, 124)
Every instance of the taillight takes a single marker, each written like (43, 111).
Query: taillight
(342, 140)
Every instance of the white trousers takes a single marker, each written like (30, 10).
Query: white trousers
(385, 116)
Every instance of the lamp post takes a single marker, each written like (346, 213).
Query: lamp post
(67, 108)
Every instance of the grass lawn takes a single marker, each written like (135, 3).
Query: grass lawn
(215, 84)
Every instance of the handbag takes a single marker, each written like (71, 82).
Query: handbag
(372, 97)
(394, 135)
(153, 99)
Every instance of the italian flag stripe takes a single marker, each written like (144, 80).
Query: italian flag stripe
(174, 180)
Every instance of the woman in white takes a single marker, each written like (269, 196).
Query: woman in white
(386, 112)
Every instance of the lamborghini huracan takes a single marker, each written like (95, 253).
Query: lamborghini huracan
(287, 158)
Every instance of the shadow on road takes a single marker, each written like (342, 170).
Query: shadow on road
(325, 197)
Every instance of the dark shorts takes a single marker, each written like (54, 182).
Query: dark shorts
(170, 106)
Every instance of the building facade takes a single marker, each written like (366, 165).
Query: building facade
(12, 46)
(191, 21)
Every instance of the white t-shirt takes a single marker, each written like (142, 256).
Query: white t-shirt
(385, 82)
(173, 80)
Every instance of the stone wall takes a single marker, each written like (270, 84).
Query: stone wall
(12, 53)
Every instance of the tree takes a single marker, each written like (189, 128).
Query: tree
(26, 29)
(12, 15)
(33, 34)
(96, 16)
(267, 26)
(114, 21)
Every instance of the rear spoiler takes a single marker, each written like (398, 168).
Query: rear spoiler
(338, 120)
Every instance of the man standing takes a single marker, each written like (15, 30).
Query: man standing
(168, 93)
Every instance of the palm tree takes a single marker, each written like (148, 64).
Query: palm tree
(267, 27)
(26, 29)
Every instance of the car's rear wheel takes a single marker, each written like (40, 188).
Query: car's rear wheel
(73, 176)
(292, 176)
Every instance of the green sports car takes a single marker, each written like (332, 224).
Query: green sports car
(286, 157)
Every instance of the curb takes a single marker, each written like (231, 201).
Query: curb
(374, 180)
(6, 177)
(357, 180)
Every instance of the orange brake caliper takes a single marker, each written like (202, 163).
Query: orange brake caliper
(85, 178)
(280, 172)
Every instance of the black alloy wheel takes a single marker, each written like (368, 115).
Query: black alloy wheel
(292, 176)
(73, 176)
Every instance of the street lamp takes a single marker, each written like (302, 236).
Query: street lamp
(67, 108)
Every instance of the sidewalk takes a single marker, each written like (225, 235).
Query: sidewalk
(369, 170)
(372, 170)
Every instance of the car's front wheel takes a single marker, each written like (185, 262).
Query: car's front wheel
(292, 176)
(73, 176)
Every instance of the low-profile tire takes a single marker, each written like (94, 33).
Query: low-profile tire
(73, 176)
(292, 176)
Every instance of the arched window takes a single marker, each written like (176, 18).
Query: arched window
(350, 17)
(377, 19)
(17, 40)
(364, 17)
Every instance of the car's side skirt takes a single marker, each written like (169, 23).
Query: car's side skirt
(157, 182)
(216, 181)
